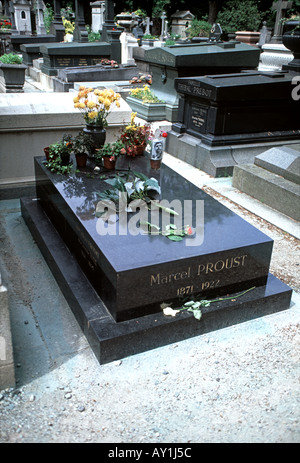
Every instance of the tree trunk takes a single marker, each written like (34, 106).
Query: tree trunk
(212, 11)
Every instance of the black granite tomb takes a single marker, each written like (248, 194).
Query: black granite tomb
(64, 55)
(169, 63)
(115, 284)
(238, 108)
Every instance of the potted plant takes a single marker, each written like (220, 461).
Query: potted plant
(95, 106)
(109, 153)
(59, 155)
(12, 73)
(146, 104)
(242, 18)
(82, 146)
(135, 137)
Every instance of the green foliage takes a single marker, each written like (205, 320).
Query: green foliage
(159, 7)
(48, 17)
(240, 15)
(199, 28)
(92, 36)
(82, 143)
(110, 150)
(54, 165)
(57, 152)
(11, 58)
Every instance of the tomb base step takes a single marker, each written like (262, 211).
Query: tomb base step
(265, 186)
(111, 340)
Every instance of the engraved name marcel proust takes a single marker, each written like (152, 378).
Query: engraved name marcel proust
(202, 276)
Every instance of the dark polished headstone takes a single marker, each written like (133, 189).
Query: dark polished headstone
(135, 274)
(239, 108)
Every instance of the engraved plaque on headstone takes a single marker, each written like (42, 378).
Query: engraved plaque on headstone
(198, 118)
(63, 62)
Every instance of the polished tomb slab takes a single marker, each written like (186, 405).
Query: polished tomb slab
(115, 284)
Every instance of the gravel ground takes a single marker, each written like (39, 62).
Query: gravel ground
(239, 384)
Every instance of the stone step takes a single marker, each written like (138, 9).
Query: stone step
(269, 188)
(283, 161)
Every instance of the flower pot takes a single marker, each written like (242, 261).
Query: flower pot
(139, 149)
(65, 159)
(109, 163)
(148, 111)
(291, 40)
(97, 134)
(12, 78)
(46, 151)
(81, 159)
(155, 163)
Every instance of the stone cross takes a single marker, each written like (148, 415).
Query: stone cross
(280, 7)
(163, 18)
(147, 23)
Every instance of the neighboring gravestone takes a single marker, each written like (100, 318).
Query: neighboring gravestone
(238, 109)
(100, 73)
(273, 179)
(22, 16)
(169, 63)
(283, 161)
(62, 55)
(215, 33)
(57, 28)
(80, 33)
(229, 256)
(97, 15)
(180, 21)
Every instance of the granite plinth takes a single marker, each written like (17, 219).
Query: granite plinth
(239, 108)
(111, 340)
(133, 275)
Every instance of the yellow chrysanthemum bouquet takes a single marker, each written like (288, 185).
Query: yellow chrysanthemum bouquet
(96, 104)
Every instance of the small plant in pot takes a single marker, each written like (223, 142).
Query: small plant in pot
(82, 145)
(109, 153)
(59, 155)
